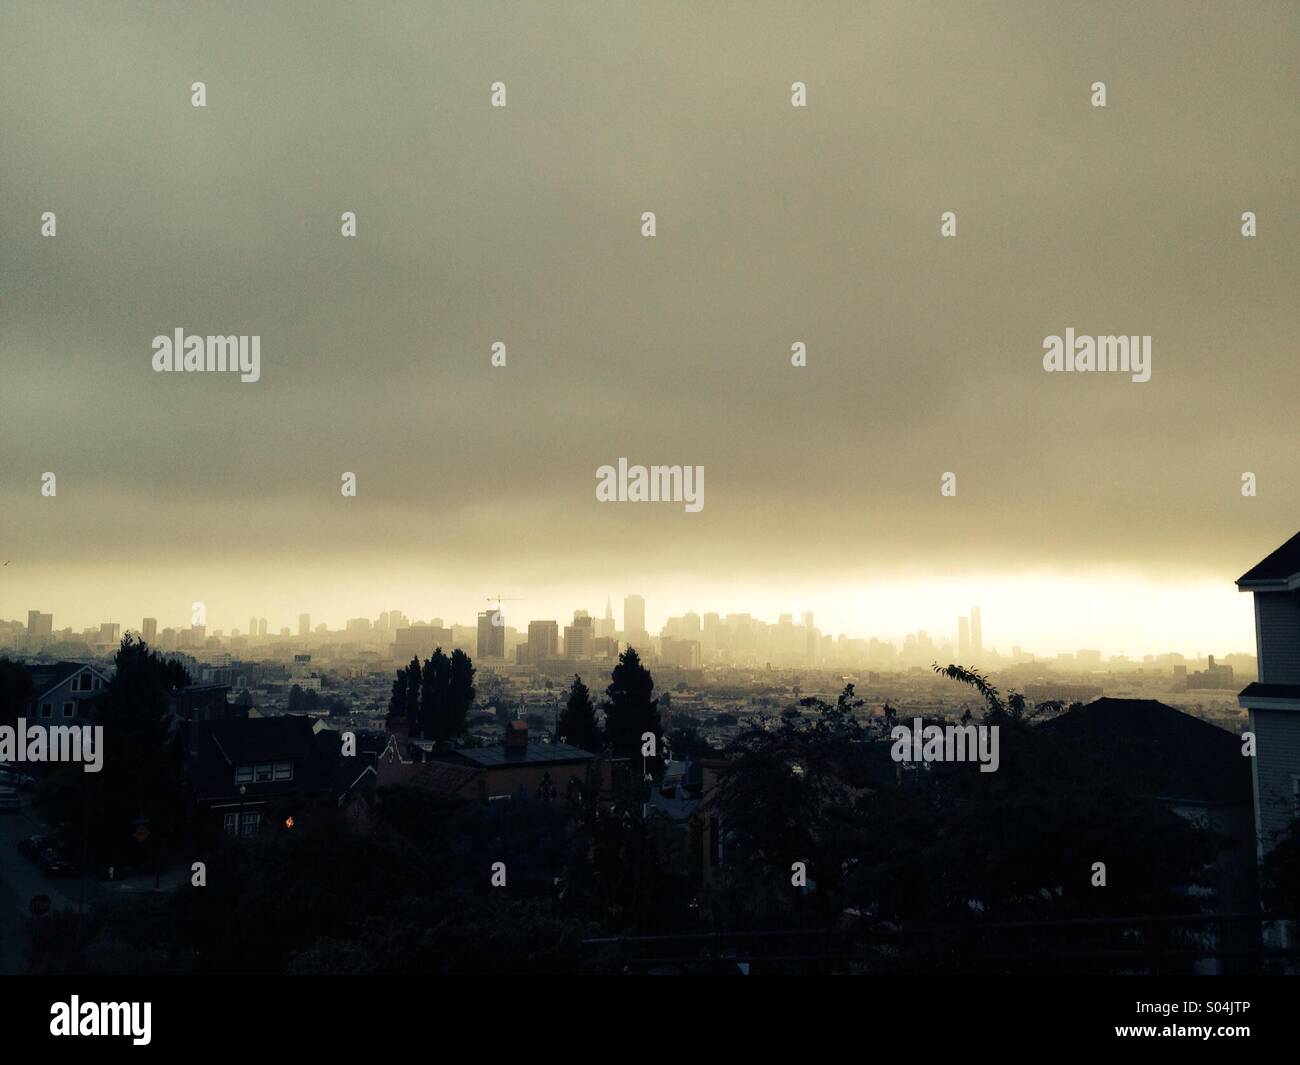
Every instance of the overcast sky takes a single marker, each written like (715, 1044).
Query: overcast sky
(775, 225)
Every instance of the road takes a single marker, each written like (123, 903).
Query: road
(20, 880)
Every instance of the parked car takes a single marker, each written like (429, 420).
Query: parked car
(53, 863)
(33, 845)
(9, 803)
(11, 778)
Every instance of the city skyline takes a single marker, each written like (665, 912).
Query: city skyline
(1007, 632)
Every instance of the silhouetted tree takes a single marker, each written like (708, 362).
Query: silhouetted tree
(789, 796)
(630, 711)
(15, 690)
(578, 724)
(446, 694)
(142, 760)
(404, 703)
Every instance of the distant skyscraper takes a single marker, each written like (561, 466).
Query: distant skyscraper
(261, 626)
(252, 626)
(39, 624)
(304, 624)
(634, 619)
(963, 641)
(491, 634)
(579, 638)
(543, 640)
(149, 630)
(976, 632)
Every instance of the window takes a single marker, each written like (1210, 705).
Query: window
(47, 710)
(264, 772)
(229, 824)
(248, 823)
(68, 709)
(84, 682)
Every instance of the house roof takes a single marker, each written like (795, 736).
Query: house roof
(45, 678)
(1164, 751)
(216, 748)
(1255, 692)
(445, 778)
(499, 755)
(1281, 567)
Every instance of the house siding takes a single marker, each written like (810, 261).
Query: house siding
(1277, 761)
(1277, 625)
(63, 692)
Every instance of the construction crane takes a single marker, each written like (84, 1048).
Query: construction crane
(499, 599)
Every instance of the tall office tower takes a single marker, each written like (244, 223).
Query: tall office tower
(543, 640)
(579, 638)
(491, 635)
(963, 641)
(252, 626)
(110, 632)
(634, 620)
(149, 630)
(261, 626)
(304, 624)
(808, 619)
(976, 633)
(382, 623)
(39, 624)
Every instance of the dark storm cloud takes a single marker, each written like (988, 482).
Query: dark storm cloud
(775, 225)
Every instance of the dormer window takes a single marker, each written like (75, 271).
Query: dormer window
(85, 681)
(263, 772)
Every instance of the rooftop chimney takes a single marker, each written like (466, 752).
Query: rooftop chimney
(516, 734)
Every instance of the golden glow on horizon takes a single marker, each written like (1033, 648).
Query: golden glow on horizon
(1044, 613)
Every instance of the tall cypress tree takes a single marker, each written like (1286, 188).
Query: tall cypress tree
(578, 724)
(630, 710)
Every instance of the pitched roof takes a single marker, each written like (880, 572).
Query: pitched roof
(1165, 752)
(45, 678)
(216, 748)
(500, 755)
(1282, 565)
(445, 778)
